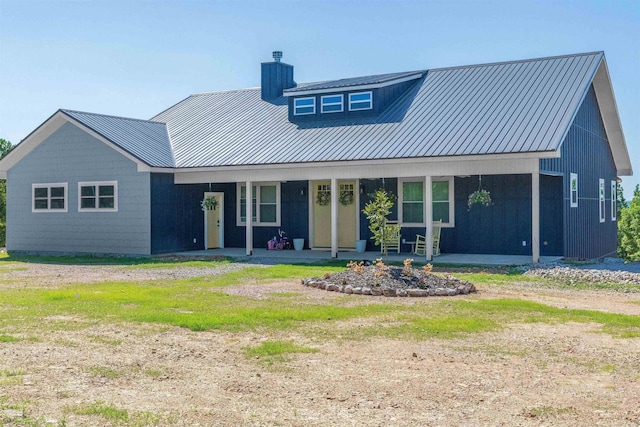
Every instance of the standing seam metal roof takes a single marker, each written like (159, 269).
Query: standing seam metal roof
(510, 107)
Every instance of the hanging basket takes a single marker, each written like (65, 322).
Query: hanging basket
(209, 203)
(480, 197)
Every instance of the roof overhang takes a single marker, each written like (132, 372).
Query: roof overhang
(45, 130)
(301, 91)
(612, 125)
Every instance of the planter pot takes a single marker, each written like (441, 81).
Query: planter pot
(298, 244)
(361, 245)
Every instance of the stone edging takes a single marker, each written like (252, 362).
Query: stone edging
(463, 288)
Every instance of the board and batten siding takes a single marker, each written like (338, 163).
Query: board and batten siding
(586, 151)
(71, 155)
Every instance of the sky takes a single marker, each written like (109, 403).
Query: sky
(136, 58)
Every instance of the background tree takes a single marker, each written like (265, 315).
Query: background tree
(629, 229)
(376, 211)
(5, 147)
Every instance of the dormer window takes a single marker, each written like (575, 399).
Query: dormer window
(360, 101)
(332, 104)
(304, 106)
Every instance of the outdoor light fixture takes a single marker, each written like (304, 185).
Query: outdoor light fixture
(303, 191)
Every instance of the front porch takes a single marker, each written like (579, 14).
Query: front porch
(310, 256)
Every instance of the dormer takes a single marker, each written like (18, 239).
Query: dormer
(347, 98)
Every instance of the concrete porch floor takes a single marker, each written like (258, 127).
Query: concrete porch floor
(291, 256)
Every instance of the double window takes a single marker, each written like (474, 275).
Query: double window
(360, 101)
(411, 203)
(49, 197)
(98, 196)
(304, 106)
(265, 204)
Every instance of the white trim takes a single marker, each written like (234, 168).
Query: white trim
(257, 222)
(331, 104)
(601, 200)
(313, 106)
(49, 186)
(97, 184)
(614, 200)
(358, 87)
(573, 176)
(354, 102)
(400, 192)
(220, 196)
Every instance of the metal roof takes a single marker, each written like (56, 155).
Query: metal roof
(509, 107)
(147, 140)
(355, 81)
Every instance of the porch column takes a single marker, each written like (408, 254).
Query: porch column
(428, 216)
(249, 219)
(535, 217)
(334, 218)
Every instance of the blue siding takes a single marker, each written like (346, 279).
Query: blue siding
(276, 76)
(71, 155)
(585, 151)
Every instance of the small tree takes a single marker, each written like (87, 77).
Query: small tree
(629, 229)
(5, 147)
(376, 211)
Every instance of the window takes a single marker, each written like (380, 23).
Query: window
(98, 196)
(411, 205)
(573, 189)
(265, 204)
(332, 104)
(614, 200)
(304, 106)
(49, 197)
(601, 199)
(360, 101)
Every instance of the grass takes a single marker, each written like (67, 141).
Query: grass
(103, 372)
(120, 417)
(8, 338)
(270, 352)
(201, 304)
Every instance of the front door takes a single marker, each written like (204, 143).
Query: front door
(214, 222)
(347, 214)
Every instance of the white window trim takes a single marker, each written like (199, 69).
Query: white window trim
(331, 104)
(257, 222)
(614, 200)
(573, 176)
(361, 93)
(295, 107)
(49, 186)
(97, 184)
(601, 199)
(449, 179)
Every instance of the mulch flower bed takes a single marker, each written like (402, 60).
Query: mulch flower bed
(390, 281)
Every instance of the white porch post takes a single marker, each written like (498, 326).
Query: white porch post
(535, 216)
(428, 216)
(249, 219)
(334, 218)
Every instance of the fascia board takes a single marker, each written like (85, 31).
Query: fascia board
(293, 92)
(611, 119)
(349, 170)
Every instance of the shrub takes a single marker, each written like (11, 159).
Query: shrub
(629, 229)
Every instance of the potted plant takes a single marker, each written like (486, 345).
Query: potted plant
(209, 203)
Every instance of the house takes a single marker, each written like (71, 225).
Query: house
(543, 136)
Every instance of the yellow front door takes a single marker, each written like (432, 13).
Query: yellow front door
(347, 214)
(214, 222)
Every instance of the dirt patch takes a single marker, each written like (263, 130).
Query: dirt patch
(527, 374)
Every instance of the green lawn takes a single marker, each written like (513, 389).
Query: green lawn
(200, 304)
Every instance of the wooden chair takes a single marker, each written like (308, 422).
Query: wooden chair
(391, 238)
(421, 241)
